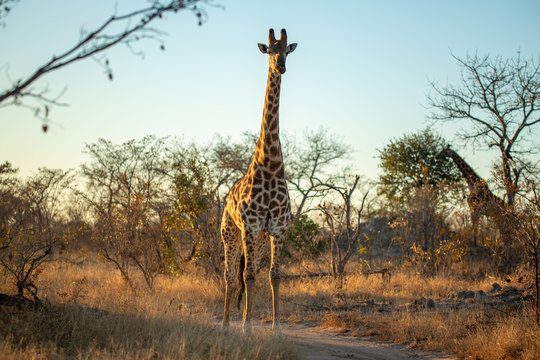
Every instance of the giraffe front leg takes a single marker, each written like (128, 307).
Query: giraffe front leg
(275, 278)
(475, 217)
(249, 281)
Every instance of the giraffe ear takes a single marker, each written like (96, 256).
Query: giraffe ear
(291, 48)
(263, 48)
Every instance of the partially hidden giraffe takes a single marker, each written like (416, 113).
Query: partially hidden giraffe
(258, 208)
(481, 200)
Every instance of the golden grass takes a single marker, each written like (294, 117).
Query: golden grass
(473, 332)
(95, 315)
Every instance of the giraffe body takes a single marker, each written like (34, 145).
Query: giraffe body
(481, 200)
(258, 209)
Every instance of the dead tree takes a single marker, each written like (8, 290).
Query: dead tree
(343, 222)
(500, 100)
(527, 224)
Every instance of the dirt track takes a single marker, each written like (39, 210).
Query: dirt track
(315, 343)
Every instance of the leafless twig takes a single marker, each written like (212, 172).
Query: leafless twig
(135, 26)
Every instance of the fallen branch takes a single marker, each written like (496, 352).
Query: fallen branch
(300, 276)
(20, 302)
(334, 308)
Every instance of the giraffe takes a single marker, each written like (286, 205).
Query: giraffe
(481, 200)
(258, 208)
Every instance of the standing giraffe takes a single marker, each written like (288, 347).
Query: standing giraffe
(258, 207)
(481, 200)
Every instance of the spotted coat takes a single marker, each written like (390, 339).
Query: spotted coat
(258, 209)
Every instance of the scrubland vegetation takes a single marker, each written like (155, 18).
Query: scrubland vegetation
(92, 312)
(122, 258)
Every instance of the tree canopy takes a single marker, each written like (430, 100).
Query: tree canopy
(404, 162)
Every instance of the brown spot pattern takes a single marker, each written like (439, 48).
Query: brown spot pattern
(258, 210)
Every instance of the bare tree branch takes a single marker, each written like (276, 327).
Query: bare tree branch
(344, 231)
(499, 99)
(5, 7)
(135, 26)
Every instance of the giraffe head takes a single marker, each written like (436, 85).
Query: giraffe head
(277, 50)
(446, 152)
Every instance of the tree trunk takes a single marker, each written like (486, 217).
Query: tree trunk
(537, 285)
(20, 302)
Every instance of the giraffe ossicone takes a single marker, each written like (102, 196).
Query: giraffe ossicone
(258, 208)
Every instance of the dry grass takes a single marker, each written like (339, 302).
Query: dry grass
(473, 332)
(94, 315)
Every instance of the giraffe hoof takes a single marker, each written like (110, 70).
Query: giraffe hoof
(276, 328)
(224, 326)
(246, 328)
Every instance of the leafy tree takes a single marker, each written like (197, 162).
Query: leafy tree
(403, 160)
(303, 237)
(196, 211)
(498, 101)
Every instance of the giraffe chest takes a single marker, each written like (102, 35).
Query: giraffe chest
(262, 203)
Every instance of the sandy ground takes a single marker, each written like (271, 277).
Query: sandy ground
(315, 343)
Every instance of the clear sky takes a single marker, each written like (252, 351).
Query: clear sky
(361, 70)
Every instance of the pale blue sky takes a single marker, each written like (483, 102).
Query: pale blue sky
(361, 69)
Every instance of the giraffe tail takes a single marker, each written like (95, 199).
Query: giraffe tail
(241, 285)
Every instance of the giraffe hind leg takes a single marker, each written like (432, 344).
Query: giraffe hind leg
(275, 278)
(240, 276)
(232, 241)
(260, 245)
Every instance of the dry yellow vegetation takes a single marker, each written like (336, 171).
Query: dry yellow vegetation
(422, 312)
(93, 313)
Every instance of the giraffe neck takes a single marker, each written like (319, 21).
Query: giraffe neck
(268, 150)
(468, 173)
(475, 182)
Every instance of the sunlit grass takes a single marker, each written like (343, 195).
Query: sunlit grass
(473, 332)
(94, 314)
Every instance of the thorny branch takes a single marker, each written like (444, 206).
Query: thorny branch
(344, 234)
(5, 7)
(136, 27)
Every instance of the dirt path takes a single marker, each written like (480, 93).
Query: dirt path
(315, 343)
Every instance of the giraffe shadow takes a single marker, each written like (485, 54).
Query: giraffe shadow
(72, 330)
